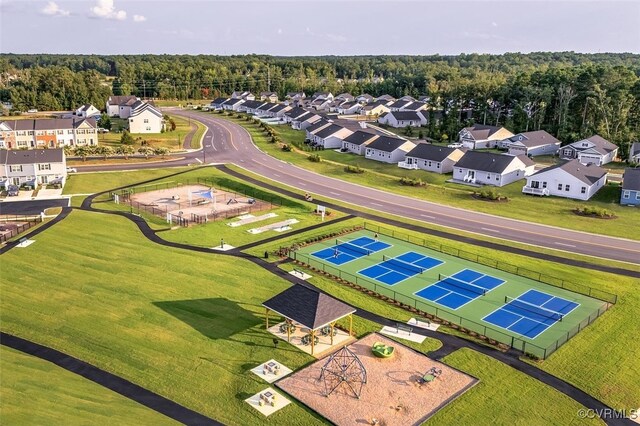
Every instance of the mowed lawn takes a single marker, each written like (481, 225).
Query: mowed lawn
(554, 211)
(38, 392)
(188, 326)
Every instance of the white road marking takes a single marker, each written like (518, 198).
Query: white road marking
(490, 230)
(302, 184)
(427, 216)
(376, 204)
(198, 160)
(276, 175)
(563, 244)
(335, 193)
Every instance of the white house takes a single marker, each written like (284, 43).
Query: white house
(408, 98)
(146, 119)
(414, 106)
(294, 114)
(388, 149)
(481, 136)
(433, 158)
(315, 127)
(594, 149)
(321, 104)
(399, 104)
(216, 104)
(347, 97)
(296, 96)
(269, 97)
(533, 143)
(244, 95)
(386, 98)
(487, 168)
(322, 95)
(33, 167)
(349, 108)
(570, 179)
(48, 132)
(277, 111)
(374, 108)
(87, 110)
(365, 98)
(232, 104)
(634, 153)
(401, 119)
(121, 106)
(250, 106)
(263, 110)
(357, 141)
(331, 136)
(304, 121)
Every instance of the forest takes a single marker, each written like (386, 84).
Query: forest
(570, 95)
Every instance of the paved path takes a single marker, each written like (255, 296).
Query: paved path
(31, 207)
(110, 381)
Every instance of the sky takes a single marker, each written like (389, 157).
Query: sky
(312, 27)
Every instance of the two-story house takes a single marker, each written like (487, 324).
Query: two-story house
(594, 149)
(481, 136)
(33, 167)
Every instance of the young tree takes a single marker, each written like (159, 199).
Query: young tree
(125, 150)
(145, 150)
(126, 138)
(161, 151)
(408, 131)
(104, 121)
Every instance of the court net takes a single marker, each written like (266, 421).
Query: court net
(345, 246)
(462, 284)
(404, 265)
(521, 304)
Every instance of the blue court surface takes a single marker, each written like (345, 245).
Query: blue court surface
(392, 271)
(531, 313)
(459, 289)
(346, 251)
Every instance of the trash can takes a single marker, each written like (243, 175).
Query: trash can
(266, 254)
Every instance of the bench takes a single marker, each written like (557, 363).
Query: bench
(22, 240)
(403, 327)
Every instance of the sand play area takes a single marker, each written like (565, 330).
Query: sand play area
(392, 394)
(194, 202)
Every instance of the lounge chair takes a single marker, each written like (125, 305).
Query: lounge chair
(430, 375)
(381, 350)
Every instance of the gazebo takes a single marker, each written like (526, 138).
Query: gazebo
(309, 308)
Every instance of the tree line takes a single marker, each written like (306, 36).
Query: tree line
(568, 94)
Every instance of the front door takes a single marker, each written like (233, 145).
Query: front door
(472, 174)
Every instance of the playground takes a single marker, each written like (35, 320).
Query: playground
(392, 391)
(196, 203)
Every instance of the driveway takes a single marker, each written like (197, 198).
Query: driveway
(31, 207)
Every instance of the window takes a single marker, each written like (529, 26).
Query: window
(583, 190)
(559, 187)
(567, 187)
(429, 163)
(567, 152)
(44, 166)
(627, 194)
(425, 162)
(535, 184)
(638, 195)
(544, 184)
(15, 168)
(437, 165)
(149, 128)
(146, 120)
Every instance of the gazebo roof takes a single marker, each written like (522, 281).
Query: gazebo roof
(308, 307)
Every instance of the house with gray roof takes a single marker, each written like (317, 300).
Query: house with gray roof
(630, 195)
(357, 142)
(481, 136)
(146, 118)
(279, 110)
(216, 104)
(86, 111)
(365, 98)
(399, 104)
(487, 168)
(121, 106)
(414, 106)
(305, 120)
(330, 137)
(250, 107)
(568, 179)
(432, 158)
(594, 149)
(386, 98)
(32, 167)
(48, 132)
(401, 119)
(634, 153)
(244, 95)
(318, 125)
(269, 97)
(533, 143)
(232, 104)
(388, 149)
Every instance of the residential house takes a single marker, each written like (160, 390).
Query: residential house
(487, 168)
(294, 113)
(121, 106)
(374, 108)
(433, 158)
(277, 111)
(263, 110)
(315, 127)
(347, 97)
(386, 98)
(569, 179)
(216, 104)
(269, 97)
(414, 106)
(424, 98)
(408, 98)
(232, 104)
(304, 121)
(331, 136)
(532, 144)
(630, 195)
(349, 108)
(388, 149)
(33, 167)
(594, 149)
(146, 118)
(401, 119)
(634, 153)
(244, 95)
(87, 111)
(365, 98)
(357, 141)
(322, 95)
(481, 136)
(399, 104)
(48, 132)
(295, 96)
(321, 104)
(250, 107)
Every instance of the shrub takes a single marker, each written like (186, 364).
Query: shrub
(594, 211)
(314, 158)
(490, 194)
(412, 182)
(354, 169)
(274, 139)
(286, 148)
(126, 138)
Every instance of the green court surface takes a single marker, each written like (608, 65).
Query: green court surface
(542, 319)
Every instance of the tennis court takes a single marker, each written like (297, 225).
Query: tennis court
(531, 313)
(346, 251)
(459, 289)
(393, 270)
(474, 296)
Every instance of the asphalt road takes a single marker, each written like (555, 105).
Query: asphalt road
(31, 207)
(226, 142)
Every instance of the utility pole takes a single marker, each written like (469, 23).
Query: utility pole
(268, 78)
(144, 89)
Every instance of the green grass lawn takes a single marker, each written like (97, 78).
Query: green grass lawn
(514, 397)
(554, 211)
(38, 392)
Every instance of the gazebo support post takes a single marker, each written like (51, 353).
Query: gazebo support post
(332, 324)
(313, 338)
(267, 318)
(286, 321)
(350, 324)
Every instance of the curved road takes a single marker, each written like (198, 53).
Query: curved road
(226, 142)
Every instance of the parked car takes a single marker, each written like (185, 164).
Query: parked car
(101, 130)
(13, 190)
(455, 145)
(32, 111)
(72, 170)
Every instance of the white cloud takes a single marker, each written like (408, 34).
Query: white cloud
(279, 31)
(494, 24)
(53, 9)
(107, 10)
(139, 18)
